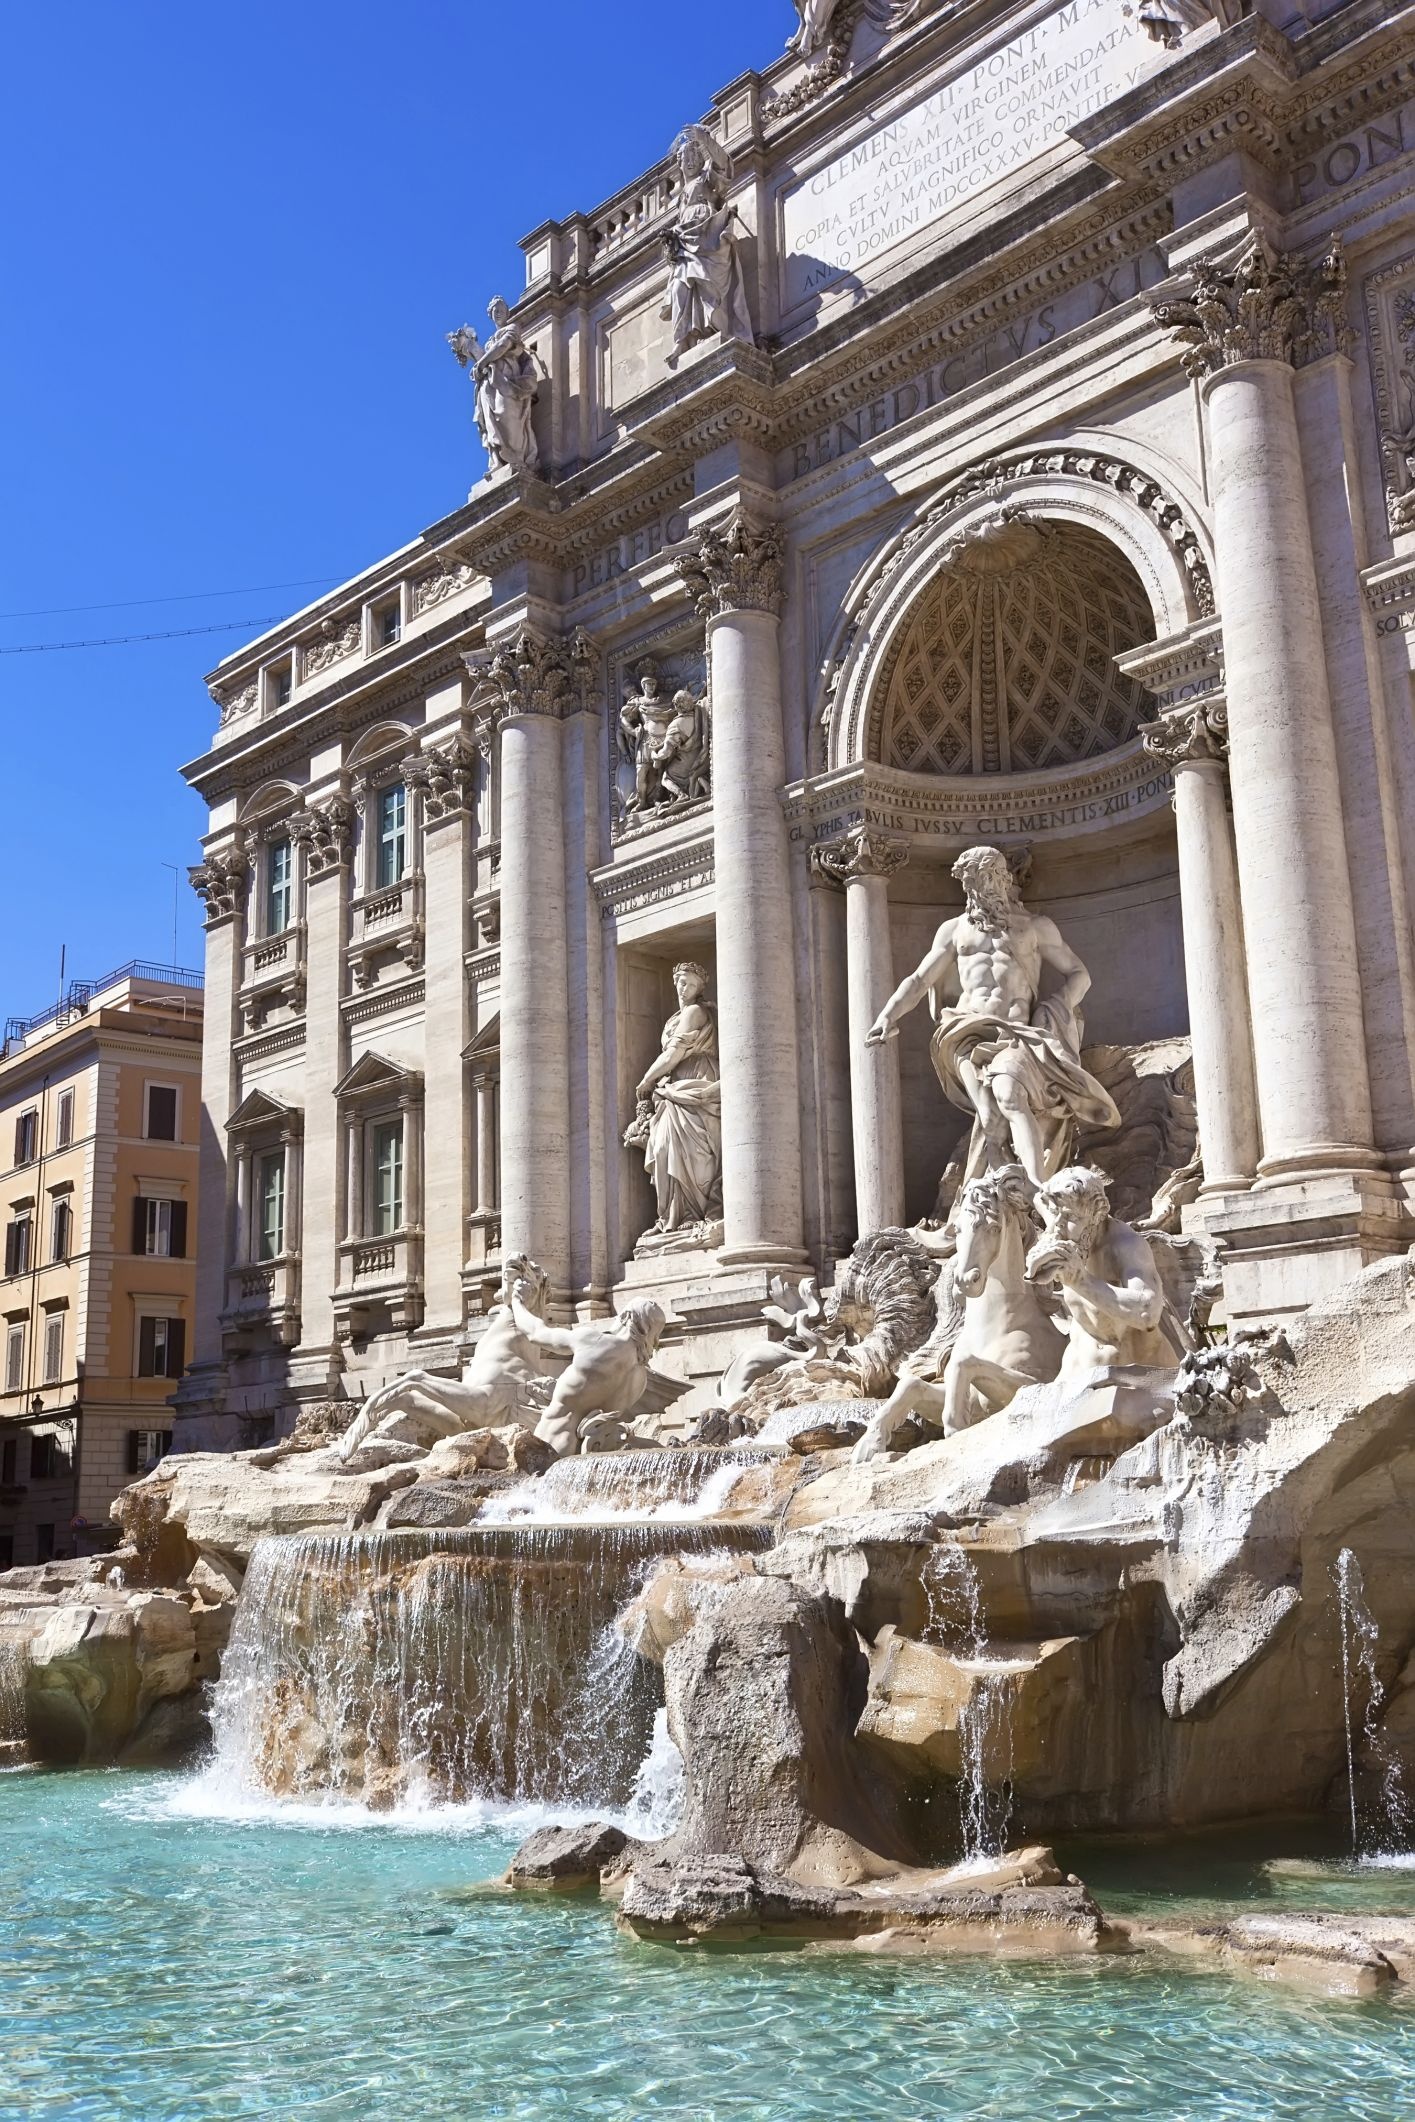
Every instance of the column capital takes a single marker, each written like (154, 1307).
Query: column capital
(532, 674)
(861, 852)
(735, 567)
(220, 881)
(326, 833)
(1268, 305)
(444, 776)
(1187, 736)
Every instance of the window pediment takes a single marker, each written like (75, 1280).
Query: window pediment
(374, 1076)
(259, 1110)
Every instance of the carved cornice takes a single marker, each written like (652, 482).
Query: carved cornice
(445, 778)
(220, 881)
(735, 567)
(244, 700)
(337, 640)
(1187, 736)
(1267, 306)
(326, 833)
(445, 578)
(861, 852)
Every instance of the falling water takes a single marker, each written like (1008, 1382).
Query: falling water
(14, 1728)
(690, 1484)
(448, 1665)
(956, 1622)
(1379, 1826)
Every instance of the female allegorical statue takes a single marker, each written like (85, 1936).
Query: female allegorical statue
(507, 377)
(705, 291)
(678, 1125)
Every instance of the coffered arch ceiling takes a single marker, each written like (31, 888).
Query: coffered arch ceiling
(1006, 663)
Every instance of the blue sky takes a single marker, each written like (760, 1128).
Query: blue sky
(235, 238)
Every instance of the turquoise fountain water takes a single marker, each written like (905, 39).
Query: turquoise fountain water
(161, 1965)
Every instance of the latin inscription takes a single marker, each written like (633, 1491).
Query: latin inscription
(959, 142)
(1370, 149)
(983, 357)
(984, 823)
(628, 552)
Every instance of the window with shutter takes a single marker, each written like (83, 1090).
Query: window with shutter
(60, 1225)
(64, 1123)
(177, 1230)
(54, 1348)
(14, 1358)
(161, 1113)
(152, 1227)
(176, 1361)
(147, 1348)
(18, 1246)
(27, 1137)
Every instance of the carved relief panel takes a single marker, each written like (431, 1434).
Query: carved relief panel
(1390, 311)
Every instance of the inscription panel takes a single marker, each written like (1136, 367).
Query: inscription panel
(949, 151)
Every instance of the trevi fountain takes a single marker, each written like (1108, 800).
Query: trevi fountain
(806, 1513)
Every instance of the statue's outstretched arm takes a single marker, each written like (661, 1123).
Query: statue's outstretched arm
(931, 973)
(555, 1340)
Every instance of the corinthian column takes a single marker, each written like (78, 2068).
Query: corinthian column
(1245, 328)
(444, 778)
(532, 682)
(864, 861)
(1192, 742)
(734, 577)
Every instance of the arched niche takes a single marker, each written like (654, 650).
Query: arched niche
(1145, 535)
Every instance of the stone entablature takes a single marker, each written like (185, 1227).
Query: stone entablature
(939, 818)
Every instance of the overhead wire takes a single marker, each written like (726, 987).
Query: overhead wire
(177, 633)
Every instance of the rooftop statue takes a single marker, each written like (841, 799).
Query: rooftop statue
(1005, 1052)
(1107, 1276)
(705, 291)
(813, 30)
(506, 376)
(678, 1123)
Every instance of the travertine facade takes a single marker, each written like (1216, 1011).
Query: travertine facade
(993, 426)
(100, 1118)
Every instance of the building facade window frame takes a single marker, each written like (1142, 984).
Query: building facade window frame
(26, 1135)
(19, 1240)
(164, 1091)
(64, 1110)
(159, 1340)
(16, 1335)
(159, 1223)
(263, 1286)
(380, 1106)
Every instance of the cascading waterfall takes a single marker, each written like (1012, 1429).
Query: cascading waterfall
(687, 1484)
(1380, 1821)
(956, 1622)
(442, 1666)
(14, 1727)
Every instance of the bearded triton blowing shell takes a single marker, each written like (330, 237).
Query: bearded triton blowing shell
(1005, 1052)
